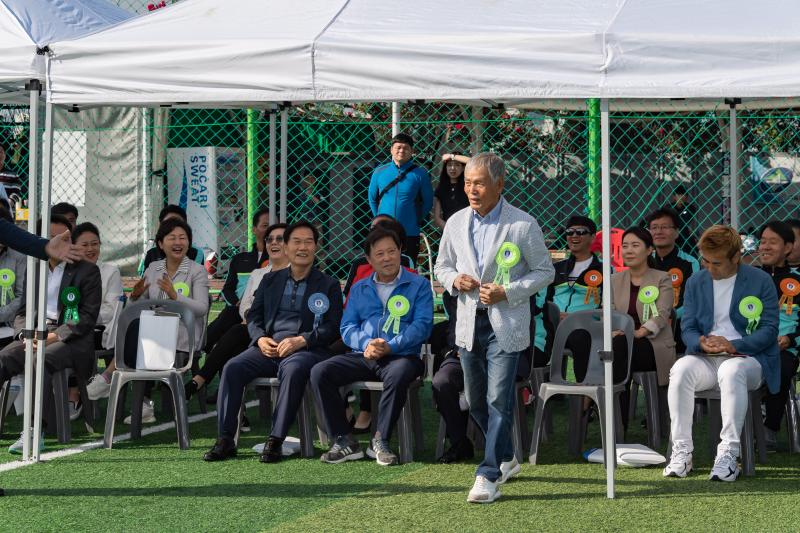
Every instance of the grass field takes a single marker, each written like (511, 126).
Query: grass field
(150, 485)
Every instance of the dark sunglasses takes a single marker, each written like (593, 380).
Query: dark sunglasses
(279, 238)
(578, 232)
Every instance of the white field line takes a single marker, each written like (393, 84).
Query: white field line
(99, 443)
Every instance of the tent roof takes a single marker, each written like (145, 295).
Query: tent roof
(246, 52)
(26, 25)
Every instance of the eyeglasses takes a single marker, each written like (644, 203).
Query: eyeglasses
(279, 238)
(578, 232)
(661, 228)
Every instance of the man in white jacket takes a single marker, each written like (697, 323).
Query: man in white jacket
(492, 258)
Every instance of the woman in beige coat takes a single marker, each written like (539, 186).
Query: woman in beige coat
(646, 295)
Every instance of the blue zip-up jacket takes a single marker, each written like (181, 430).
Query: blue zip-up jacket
(400, 201)
(365, 315)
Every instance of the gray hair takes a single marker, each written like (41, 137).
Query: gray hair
(493, 164)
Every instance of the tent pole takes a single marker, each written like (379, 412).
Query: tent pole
(610, 444)
(34, 86)
(47, 171)
(273, 216)
(395, 118)
(733, 147)
(252, 173)
(284, 159)
(593, 160)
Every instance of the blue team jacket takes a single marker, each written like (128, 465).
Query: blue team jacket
(400, 201)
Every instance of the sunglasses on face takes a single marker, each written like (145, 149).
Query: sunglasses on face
(278, 238)
(577, 232)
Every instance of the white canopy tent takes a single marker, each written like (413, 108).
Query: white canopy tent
(250, 53)
(26, 28)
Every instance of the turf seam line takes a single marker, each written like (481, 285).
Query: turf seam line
(48, 456)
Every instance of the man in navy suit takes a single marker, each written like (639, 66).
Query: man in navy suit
(730, 328)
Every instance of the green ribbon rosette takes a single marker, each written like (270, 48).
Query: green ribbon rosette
(751, 307)
(648, 296)
(182, 289)
(70, 298)
(7, 279)
(507, 258)
(398, 307)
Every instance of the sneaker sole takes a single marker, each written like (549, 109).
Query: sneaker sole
(511, 473)
(352, 457)
(727, 480)
(494, 498)
(678, 474)
(384, 463)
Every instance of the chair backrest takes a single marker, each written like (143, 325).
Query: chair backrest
(592, 322)
(132, 312)
(551, 317)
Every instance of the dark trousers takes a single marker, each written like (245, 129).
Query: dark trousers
(226, 319)
(412, 248)
(447, 384)
(680, 347)
(395, 371)
(292, 371)
(644, 360)
(775, 403)
(233, 342)
(59, 356)
(450, 303)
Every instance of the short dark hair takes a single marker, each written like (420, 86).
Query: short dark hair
(392, 225)
(783, 230)
(64, 208)
(641, 233)
(680, 189)
(300, 224)
(5, 214)
(404, 138)
(54, 219)
(169, 225)
(664, 212)
(273, 227)
(258, 214)
(580, 220)
(378, 233)
(84, 227)
(794, 223)
(172, 209)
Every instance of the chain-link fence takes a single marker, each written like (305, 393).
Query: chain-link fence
(121, 166)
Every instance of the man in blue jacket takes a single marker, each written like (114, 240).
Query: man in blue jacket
(293, 320)
(403, 190)
(730, 328)
(389, 316)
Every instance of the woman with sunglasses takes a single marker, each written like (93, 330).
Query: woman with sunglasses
(237, 339)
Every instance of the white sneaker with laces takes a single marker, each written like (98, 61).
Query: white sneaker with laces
(75, 410)
(725, 468)
(508, 469)
(98, 387)
(483, 491)
(16, 448)
(680, 463)
(148, 413)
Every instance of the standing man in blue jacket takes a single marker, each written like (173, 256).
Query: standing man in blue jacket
(388, 317)
(403, 190)
(730, 328)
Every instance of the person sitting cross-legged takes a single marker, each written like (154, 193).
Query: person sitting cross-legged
(730, 328)
(389, 316)
(294, 319)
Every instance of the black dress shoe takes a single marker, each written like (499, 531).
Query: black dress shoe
(458, 452)
(190, 389)
(222, 449)
(273, 450)
(2, 492)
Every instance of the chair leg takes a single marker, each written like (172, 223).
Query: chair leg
(113, 399)
(61, 402)
(634, 398)
(180, 411)
(136, 409)
(746, 445)
(792, 421)
(416, 421)
(441, 434)
(90, 407)
(577, 427)
(202, 396)
(404, 433)
(4, 390)
(757, 423)
(714, 426)
(305, 426)
(653, 411)
(516, 428)
(536, 435)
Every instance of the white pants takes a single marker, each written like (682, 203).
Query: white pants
(734, 376)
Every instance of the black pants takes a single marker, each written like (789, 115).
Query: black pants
(226, 319)
(447, 384)
(450, 303)
(680, 347)
(644, 360)
(412, 248)
(396, 371)
(59, 356)
(775, 403)
(232, 343)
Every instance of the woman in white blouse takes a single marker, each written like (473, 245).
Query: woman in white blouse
(237, 339)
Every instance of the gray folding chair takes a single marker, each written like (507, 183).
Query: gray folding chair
(792, 417)
(593, 384)
(173, 377)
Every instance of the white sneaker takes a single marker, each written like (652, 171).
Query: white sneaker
(98, 387)
(725, 468)
(148, 413)
(483, 491)
(75, 410)
(16, 448)
(680, 463)
(508, 469)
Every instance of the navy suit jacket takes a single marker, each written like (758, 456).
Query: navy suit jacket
(698, 318)
(20, 240)
(261, 317)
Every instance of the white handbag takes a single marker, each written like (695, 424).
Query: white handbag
(158, 340)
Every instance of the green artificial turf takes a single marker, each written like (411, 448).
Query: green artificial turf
(150, 485)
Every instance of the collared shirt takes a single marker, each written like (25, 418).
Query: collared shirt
(385, 289)
(289, 318)
(54, 278)
(484, 231)
(183, 268)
